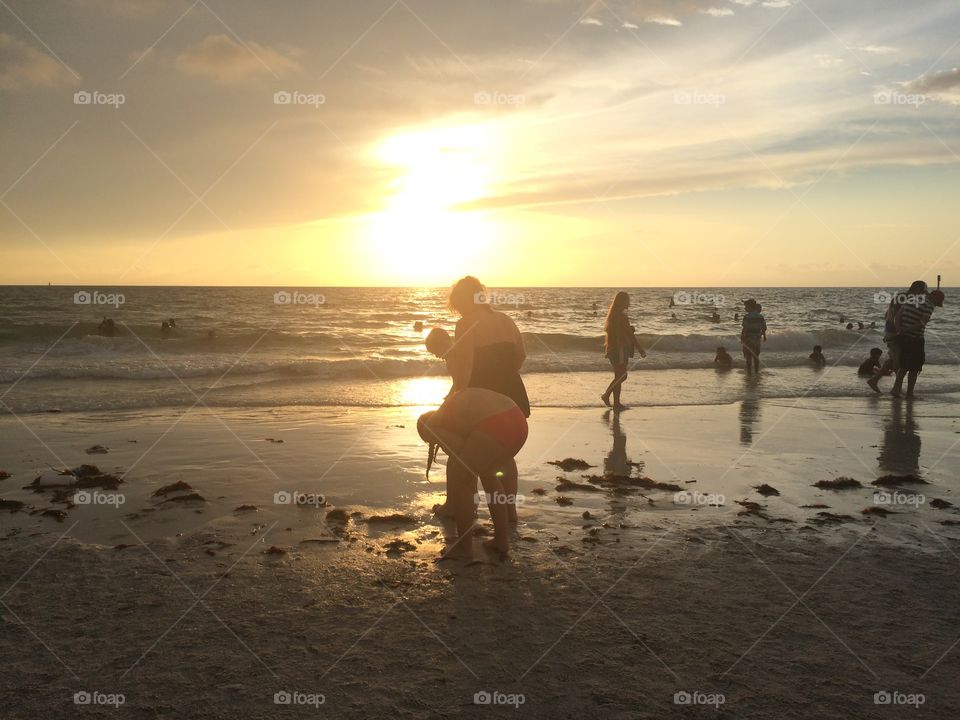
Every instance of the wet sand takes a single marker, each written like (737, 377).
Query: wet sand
(684, 561)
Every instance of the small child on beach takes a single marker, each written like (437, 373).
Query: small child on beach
(816, 357)
(753, 330)
(723, 361)
(869, 367)
(481, 431)
(440, 345)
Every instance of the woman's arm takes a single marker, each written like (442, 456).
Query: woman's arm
(461, 365)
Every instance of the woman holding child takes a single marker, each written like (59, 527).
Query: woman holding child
(482, 424)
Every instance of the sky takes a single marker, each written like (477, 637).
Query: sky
(529, 142)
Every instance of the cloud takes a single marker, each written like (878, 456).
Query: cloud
(943, 85)
(663, 20)
(717, 12)
(591, 21)
(221, 59)
(23, 66)
(777, 3)
(827, 61)
(134, 8)
(878, 49)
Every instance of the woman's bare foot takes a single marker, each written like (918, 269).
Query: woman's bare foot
(606, 400)
(495, 546)
(443, 510)
(895, 393)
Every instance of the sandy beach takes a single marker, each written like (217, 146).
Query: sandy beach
(654, 582)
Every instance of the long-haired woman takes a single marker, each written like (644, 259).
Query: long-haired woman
(619, 347)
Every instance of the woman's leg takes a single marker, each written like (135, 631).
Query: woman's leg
(619, 375)
(479, 456)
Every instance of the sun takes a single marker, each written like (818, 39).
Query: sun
(420, 237)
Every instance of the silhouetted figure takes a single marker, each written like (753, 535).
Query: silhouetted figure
(107, 327)
(869, 367)
(723, 361)
(418, 326)
(816, 357)
(619, 346)
(489, 348)
(849, 326)
(753, 331)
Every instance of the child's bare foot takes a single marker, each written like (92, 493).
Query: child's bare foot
(872, 382)
(495, 546)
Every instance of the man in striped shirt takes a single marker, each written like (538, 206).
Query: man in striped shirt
(916, 307)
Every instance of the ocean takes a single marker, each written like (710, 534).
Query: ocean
(269, 347)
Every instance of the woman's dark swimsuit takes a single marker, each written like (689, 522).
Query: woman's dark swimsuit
(495, 368)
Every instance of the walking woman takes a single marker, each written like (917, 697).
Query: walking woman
(619, 347)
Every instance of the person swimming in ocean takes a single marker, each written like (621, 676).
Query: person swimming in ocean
(619, 345)
(816, 357)
(481, 431)
(107, 327)
(715, 317)
(723, 361)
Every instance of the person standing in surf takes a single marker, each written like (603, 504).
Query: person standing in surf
(488, 349)
(619, 345)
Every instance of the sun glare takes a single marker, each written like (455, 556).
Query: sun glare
(419, 236)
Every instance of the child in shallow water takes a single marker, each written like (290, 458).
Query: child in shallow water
(482, 431)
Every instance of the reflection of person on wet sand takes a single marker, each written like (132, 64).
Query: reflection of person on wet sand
(900, 448)
(749, 415)
(482, 431)
(616, 461)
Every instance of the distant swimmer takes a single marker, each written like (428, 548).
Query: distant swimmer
(107, 327)
(816, 357)
(673, 316)
(418, 326)
(842, 319)
(849, 326)
(860, 325)
(736, 317)
(165, 328)
(715, 317)
(723, 361)
(873, 324)
(871, 366)
(172, 322)
(529, 314)
(672, 303)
